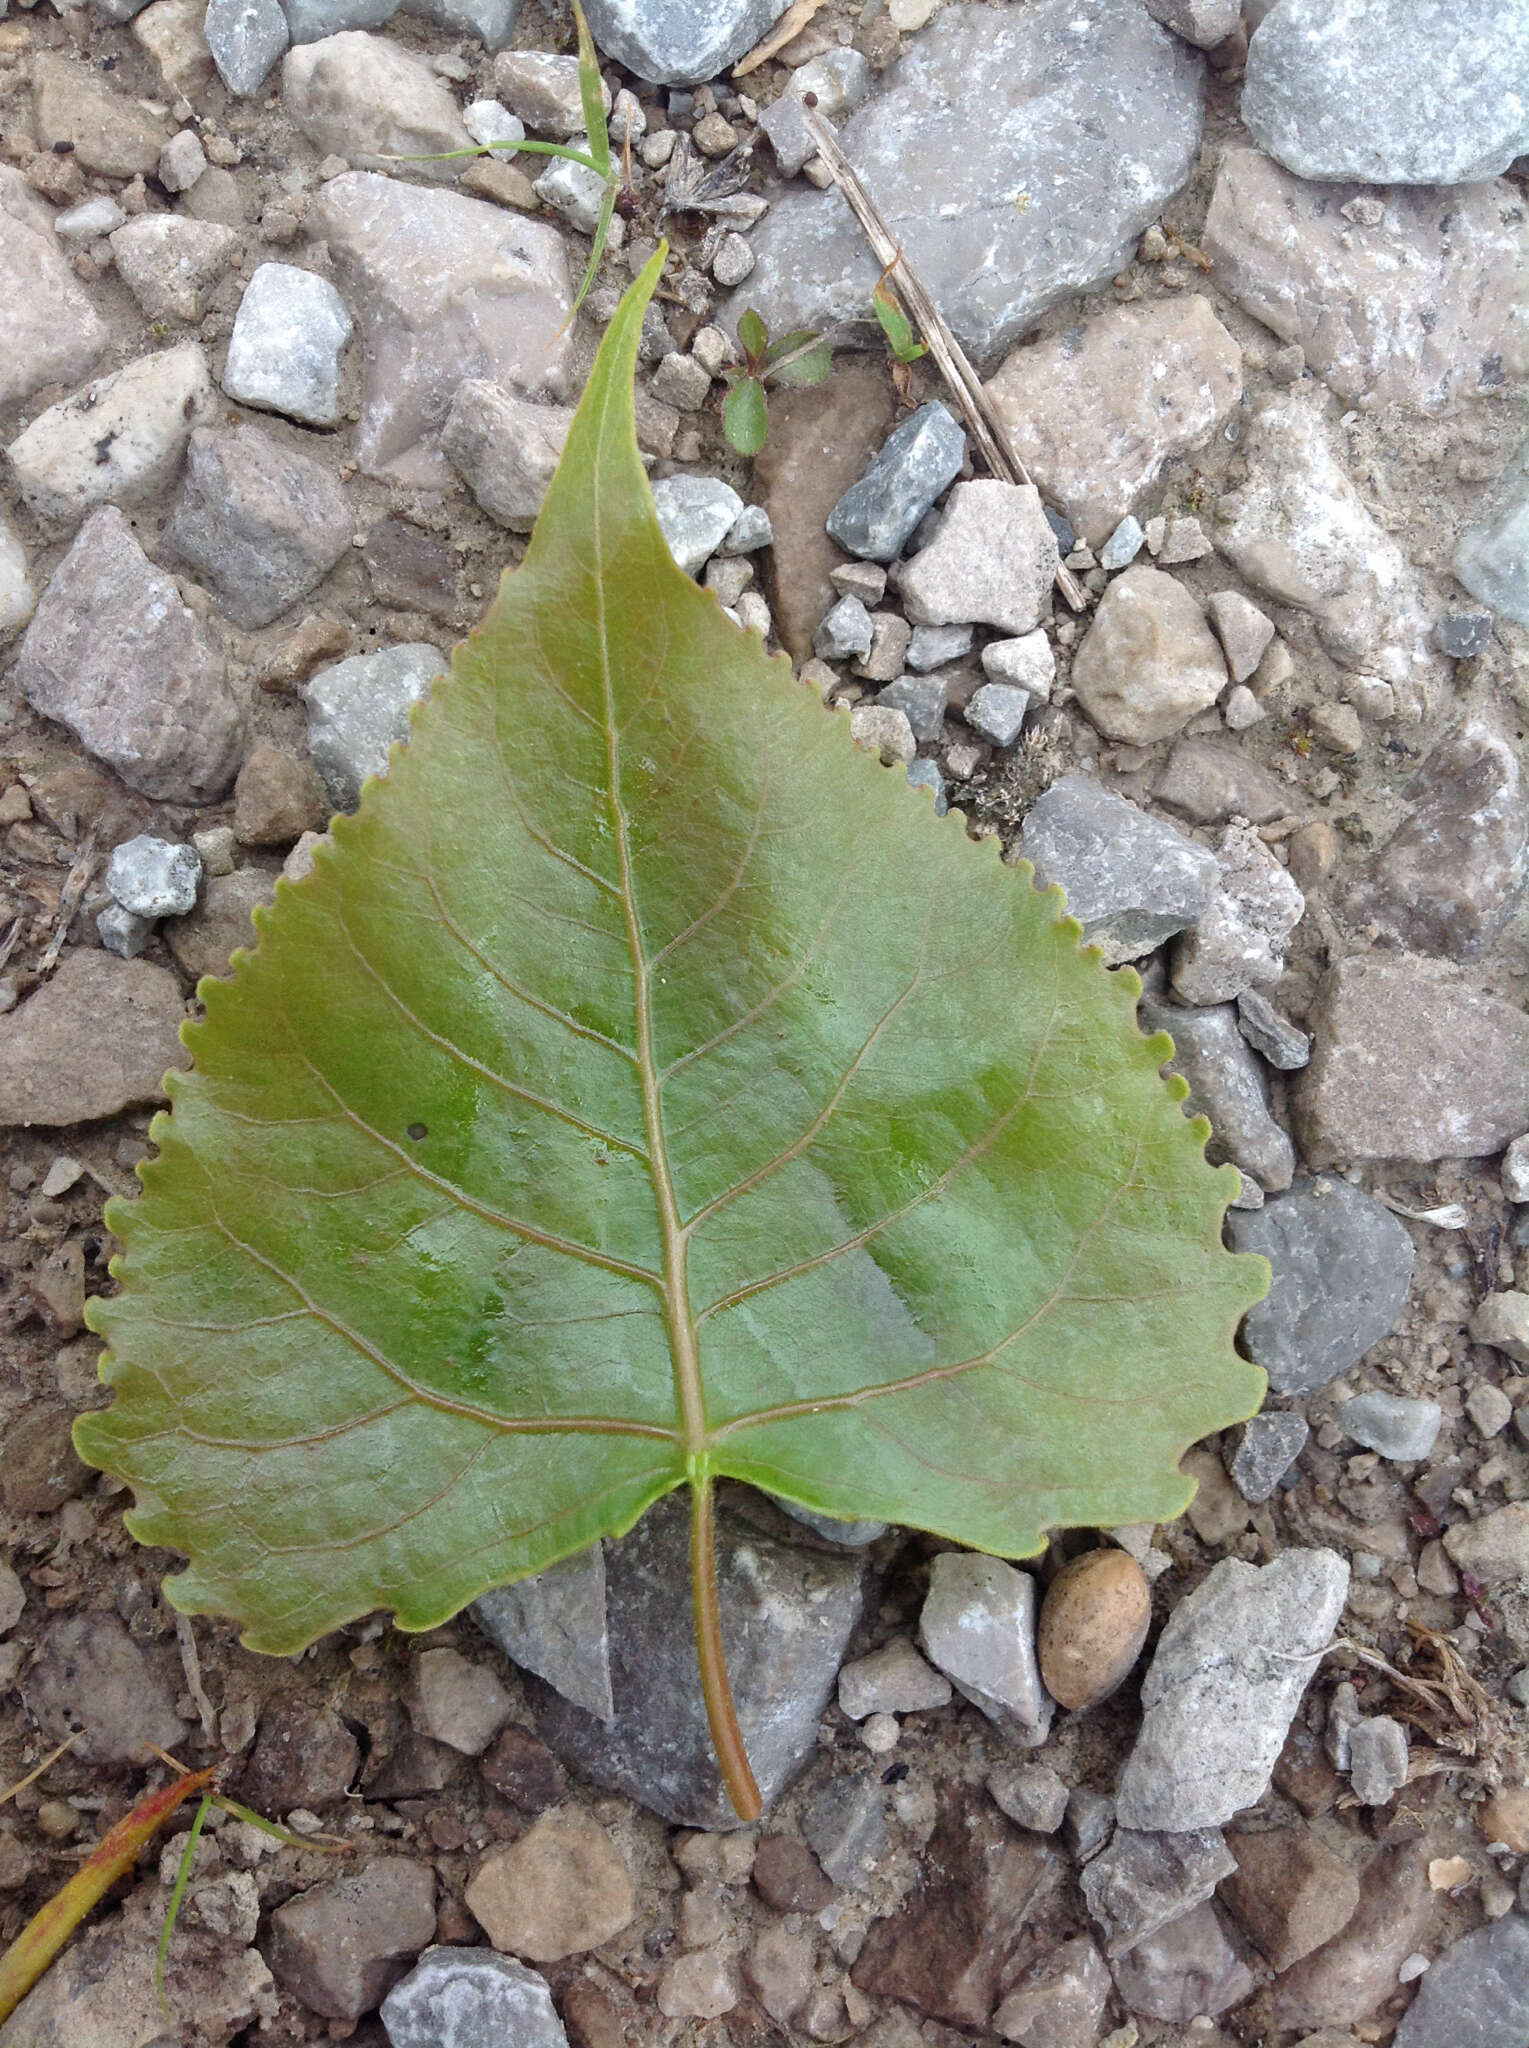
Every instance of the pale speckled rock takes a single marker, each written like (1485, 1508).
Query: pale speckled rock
(359, 708)
(1342, 1266)
(1259, 1454)
(1392, 1425)
(555, 1624)
(1223, 1687)
(787, 1616)
(1301, 534)
(1502, 1320)
(991, 561)
(1409, 1061)
(1398, 92)
(1226, 1084)
(1239, 941)
(1402, 294)
(445, 288)
(100, 1993)
(246, 38)
(1099, 408)
(113, 653)
(471, 1998)
(542, 90)
(153, 877)
(892, 1680)
(1056, 2001)
(1188, 1970)
(505, 449)
(679, 42)
(120, 439)
(50, 333)
(169, 262)
(696, 514)
(1090, 110)
(562, 1888)
(18, 595)
(261, 523)
(1492, 560)
(284, 354)
(1132, 880)
(1448, 877)
(978, 1625)
(1148, 662)
(1144, 1879)
(1201, 22)
(367, 100)
(95, 1040)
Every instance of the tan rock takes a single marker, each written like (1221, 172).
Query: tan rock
(1218, 1511)
(1404, 294)
(1098, 409)
(171, 32)
(368, 101)
(1093, 1622)
(1289, 1893)
(94, 1040)
(168, 263)
(1495, 1547)
(1149, 662)
(1348, 1977)
(49, 331)
(277, 798)
(204, 938)
(561, 1889)
(1504, 1817)
(105, 130)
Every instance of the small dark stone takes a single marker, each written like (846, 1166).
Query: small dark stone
(1463, 634)
(41, 1468)
(524, 1770)
(410, 569)
(1066, 539)
(303, 1756)
(787, 1876)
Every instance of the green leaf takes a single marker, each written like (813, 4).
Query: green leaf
(646, 1087)
(896, 326)
(746, 416)
(592, 96)
(596, 252)
(790, 344)
(753, 335)
(810, 366)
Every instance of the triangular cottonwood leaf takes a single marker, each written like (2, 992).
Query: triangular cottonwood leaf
(647, 1086)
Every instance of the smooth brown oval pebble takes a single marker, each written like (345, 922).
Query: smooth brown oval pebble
(1093, 1623)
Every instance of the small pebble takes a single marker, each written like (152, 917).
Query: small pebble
(1093, 1622)
(1123, 545)
(880, 1733)
(154, 877)
(997, 711)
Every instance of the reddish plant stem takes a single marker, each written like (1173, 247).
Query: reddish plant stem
(721, 1713)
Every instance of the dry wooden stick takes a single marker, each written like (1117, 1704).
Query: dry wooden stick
(998, 451)
(790, 25)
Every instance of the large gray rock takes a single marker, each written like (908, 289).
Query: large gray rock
(1226, 1084)
(114, 654)
(259, 522)
(1300, 533)
(1098, 409)
(359, 708)
(991, 561)
(1017, 155)
(1448, 877)
(1477, 1993)
(876, 516)
(471, 1998)
(1130, 879)
(367, 100)
(1223, 1686)
(246, 37)
(555, 1624)
(505, 449)
(1409, 1061)
(120, 439)
(1492, 560)
(50, 333)
(445, 288)
(1403, 295)
(1144, 1879)
(1398, 92)
(679, 42)
(1240, 941)
(1342, 1265)
(787, 1616)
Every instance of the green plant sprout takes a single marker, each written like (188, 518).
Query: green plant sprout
(645, 1090)
(596, 158)
(800, 357)
(896, 326)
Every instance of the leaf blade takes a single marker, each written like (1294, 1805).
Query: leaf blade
(687, 1134)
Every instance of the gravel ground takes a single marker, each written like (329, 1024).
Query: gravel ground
(1267, 376)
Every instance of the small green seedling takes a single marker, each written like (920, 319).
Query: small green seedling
(596, 158)
(800, 357)
(896, 326)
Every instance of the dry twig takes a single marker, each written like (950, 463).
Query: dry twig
(790, 25)
(988, 430)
